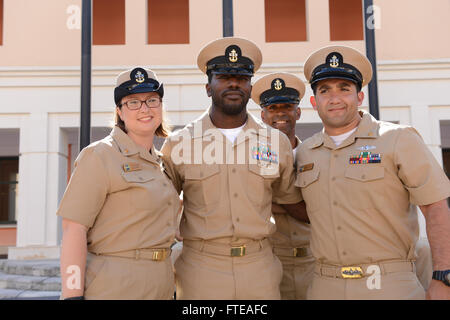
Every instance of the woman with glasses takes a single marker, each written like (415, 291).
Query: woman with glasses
(120, 209)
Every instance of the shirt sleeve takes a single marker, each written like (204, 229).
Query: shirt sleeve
(169, 166)
(284, 189)
(87, 189)
(419, 171)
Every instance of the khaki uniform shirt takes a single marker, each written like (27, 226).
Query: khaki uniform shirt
(361, 212)
(228, 192)
(290, 233)
(121, 193)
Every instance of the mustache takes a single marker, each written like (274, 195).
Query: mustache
(233, 91)
(281, 119)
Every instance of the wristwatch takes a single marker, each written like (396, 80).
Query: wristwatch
(442, 275)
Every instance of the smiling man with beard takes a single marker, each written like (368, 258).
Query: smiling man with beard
(228, 196)
(279, 94)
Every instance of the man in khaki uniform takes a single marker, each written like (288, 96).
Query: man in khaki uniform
(361, 179)
(230, 167)
(279, 94)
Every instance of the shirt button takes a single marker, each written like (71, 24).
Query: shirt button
(237, 219)
(335, 203)
(338, 227)
(335, 155)
(233, 170)
(344, 253)
(235, 195)
(363, 176)
(333, 178)
(169, 203)
(294, 233)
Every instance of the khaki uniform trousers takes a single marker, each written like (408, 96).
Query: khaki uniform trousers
(401, 284)
(297, 276)
(204, 275)
(117, 278)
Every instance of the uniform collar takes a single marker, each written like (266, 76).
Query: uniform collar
(129, 148)
(298, 141)
(368, 128)
(207, 126)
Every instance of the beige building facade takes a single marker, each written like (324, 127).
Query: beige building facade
(40, 55)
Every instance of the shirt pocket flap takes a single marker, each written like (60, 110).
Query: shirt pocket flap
(305, 178)
(364, 173)
(268, 172)
(200, 172)
(138, 176)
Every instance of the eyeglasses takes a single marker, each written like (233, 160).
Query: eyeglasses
(136, 104)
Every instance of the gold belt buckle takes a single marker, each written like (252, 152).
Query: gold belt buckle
(300, 252)
(158, 255)
(237, 251)
(351, 272)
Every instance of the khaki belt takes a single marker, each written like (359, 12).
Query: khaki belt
(359, 271)
(145, 254)
(225, 249)
(292, 252)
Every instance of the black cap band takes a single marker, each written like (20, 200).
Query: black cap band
(345, 72)
(131, 87)
(232, 62)
(285, 95)
(335, 68)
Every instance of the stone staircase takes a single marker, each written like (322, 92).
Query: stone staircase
(29, 279)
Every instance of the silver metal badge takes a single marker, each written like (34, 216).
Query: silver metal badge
(366, 148)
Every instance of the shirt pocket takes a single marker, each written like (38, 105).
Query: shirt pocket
(259, 184)
(366, 184)
(138, 176)
(143, 189)
(308, 181)
(202, 186)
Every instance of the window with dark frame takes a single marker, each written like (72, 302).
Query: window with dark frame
(108, 22)
(9, 170)
(168, 21)
(285, 20)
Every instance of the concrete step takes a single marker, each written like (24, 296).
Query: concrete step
(40, 268)
(24, 282)
(14, 294)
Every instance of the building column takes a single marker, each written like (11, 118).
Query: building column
(36, 220)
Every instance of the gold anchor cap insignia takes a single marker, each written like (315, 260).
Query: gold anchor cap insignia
(233, 56)
(334, 61)
(278, 85)
(139, 76)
